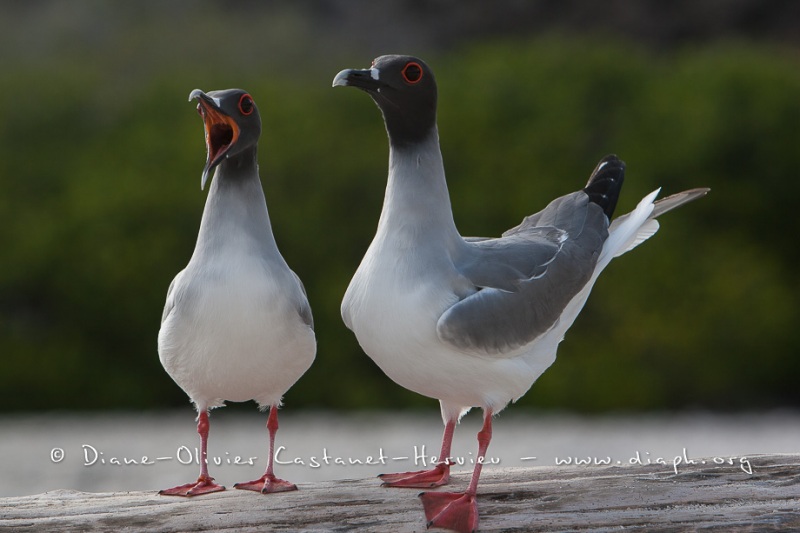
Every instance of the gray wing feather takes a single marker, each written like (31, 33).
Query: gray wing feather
(502, 263)
(524, 279)
(171, 295)
(304, 308)
(665, 205)
(676, 200)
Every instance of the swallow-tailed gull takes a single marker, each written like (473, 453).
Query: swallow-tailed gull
(237, 325)
(472, 322)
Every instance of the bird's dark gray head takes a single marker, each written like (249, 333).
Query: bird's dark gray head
(232, 125)
(404, 89)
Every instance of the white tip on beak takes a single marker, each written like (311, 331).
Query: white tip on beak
(341, 79)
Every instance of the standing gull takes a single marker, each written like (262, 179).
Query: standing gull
(237, 325)
(472, 322)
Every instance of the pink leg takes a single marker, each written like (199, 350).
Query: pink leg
(268, 482)
(459, 510)
(436, 477)
(205, 483)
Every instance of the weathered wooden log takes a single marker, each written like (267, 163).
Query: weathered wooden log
(704, 495)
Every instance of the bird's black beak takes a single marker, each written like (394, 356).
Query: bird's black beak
(366, 79)
(221, 131)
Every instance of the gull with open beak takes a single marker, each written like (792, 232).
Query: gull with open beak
(237, 325)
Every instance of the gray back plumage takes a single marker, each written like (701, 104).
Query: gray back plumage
(525, 279)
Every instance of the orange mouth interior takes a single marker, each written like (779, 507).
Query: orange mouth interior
(221, 132)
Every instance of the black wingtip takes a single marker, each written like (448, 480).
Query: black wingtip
(605, 183)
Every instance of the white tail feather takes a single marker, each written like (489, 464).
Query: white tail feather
(625, 231)
(648, 229)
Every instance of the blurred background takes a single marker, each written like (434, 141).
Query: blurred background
(101, 157)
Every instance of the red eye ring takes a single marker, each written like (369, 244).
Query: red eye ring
(246, 104)
(415, 76)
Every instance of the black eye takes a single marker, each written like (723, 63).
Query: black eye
(246, 104)
(412, 73)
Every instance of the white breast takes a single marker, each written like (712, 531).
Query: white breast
(393, 312)
(235, 334)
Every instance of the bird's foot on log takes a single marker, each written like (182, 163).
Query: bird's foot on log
(457, 511)
(203, 485)
(423, 479)
(267, 484)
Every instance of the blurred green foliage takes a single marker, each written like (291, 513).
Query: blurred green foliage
(100, 206)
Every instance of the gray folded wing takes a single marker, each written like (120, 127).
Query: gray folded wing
(525, 278)
(171, 296)
(303, 307)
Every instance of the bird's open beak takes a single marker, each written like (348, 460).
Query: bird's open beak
(367, 79)
(221, 131)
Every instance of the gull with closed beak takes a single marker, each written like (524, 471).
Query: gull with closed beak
(472, 322)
